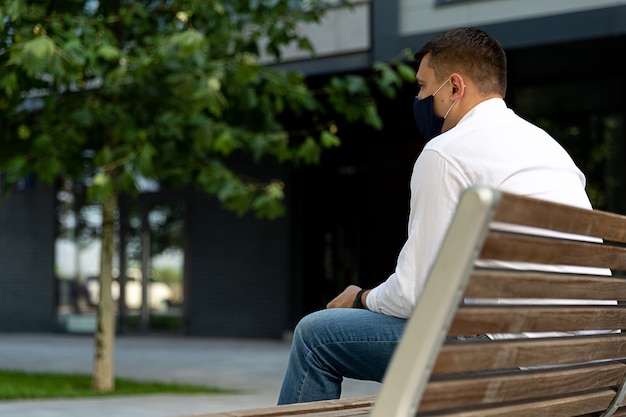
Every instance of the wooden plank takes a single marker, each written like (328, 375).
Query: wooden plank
(359, 412)
(454, 391)
(489, 283)
(279, 412)
(470, 356)
(345, 407)
(562, 406)
(553, 216)
(475, 319)
(541, 250)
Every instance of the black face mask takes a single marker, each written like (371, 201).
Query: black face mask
(427, 121)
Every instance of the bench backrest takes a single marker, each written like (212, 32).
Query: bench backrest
(434, 373)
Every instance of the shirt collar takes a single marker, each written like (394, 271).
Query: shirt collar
(484, 106)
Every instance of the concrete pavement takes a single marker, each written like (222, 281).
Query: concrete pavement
(252, 367)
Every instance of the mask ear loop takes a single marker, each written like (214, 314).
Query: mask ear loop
(440, 87)
(453, 103)
(446, 115)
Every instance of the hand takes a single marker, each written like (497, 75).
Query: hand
(346, 298)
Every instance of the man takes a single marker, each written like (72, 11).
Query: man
(474, 139)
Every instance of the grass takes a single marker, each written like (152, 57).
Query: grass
(21, 385)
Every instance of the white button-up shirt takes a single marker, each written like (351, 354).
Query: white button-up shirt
(489, 146)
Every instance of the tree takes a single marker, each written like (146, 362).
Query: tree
(171, 90)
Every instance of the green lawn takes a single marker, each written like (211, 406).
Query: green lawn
(22, 385)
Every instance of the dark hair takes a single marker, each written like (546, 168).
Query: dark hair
(472, 52)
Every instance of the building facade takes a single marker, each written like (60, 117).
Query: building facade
(243, 277)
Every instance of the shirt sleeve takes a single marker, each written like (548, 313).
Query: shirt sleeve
(436, 186)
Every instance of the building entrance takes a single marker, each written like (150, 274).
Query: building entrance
(150, 242)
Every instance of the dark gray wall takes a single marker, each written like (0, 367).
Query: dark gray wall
(27, 287)
(239, 273)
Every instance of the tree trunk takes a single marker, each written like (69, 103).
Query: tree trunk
(103, 379)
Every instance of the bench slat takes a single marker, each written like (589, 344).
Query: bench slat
(562, 406)
(523, 284)
(279, 412)
(542, 250)
(341, 408)
(347, 407)
(471, 356)
(517, 209)
(446, 392)
(472, 319)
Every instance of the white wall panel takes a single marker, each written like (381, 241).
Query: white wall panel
(420, 16)
(342, 31)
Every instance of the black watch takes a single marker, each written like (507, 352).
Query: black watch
(357, 301)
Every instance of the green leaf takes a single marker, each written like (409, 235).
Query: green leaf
(74, 52)
(23, 132)
(9, 85)
(247, 70)
(34, 55)
(15, 168)
(104, 157)
(144, 160)
(329, 140)
(275, 190)
(388, 79)
(305, 44)
(269, 203)
(224, 143)
(49, 169)
(356, 84)
(235, 196)
(41, 47)
(266, 207)
(309, 151)
(184, 43)
(372, 117)
(108, 52)
(44, 141)
(406, 72)
(210, 97)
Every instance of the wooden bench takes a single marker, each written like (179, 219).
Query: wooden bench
(432, 373)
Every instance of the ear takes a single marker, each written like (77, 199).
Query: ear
(458, 86)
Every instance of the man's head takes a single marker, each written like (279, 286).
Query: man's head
(457, 70)
(471, 52)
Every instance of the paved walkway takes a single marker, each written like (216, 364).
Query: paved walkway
(253, 367)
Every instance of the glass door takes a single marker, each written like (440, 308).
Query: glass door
(154, 247)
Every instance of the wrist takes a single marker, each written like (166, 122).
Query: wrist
(358, 303)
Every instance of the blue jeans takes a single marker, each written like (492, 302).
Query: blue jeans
(331, 344)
